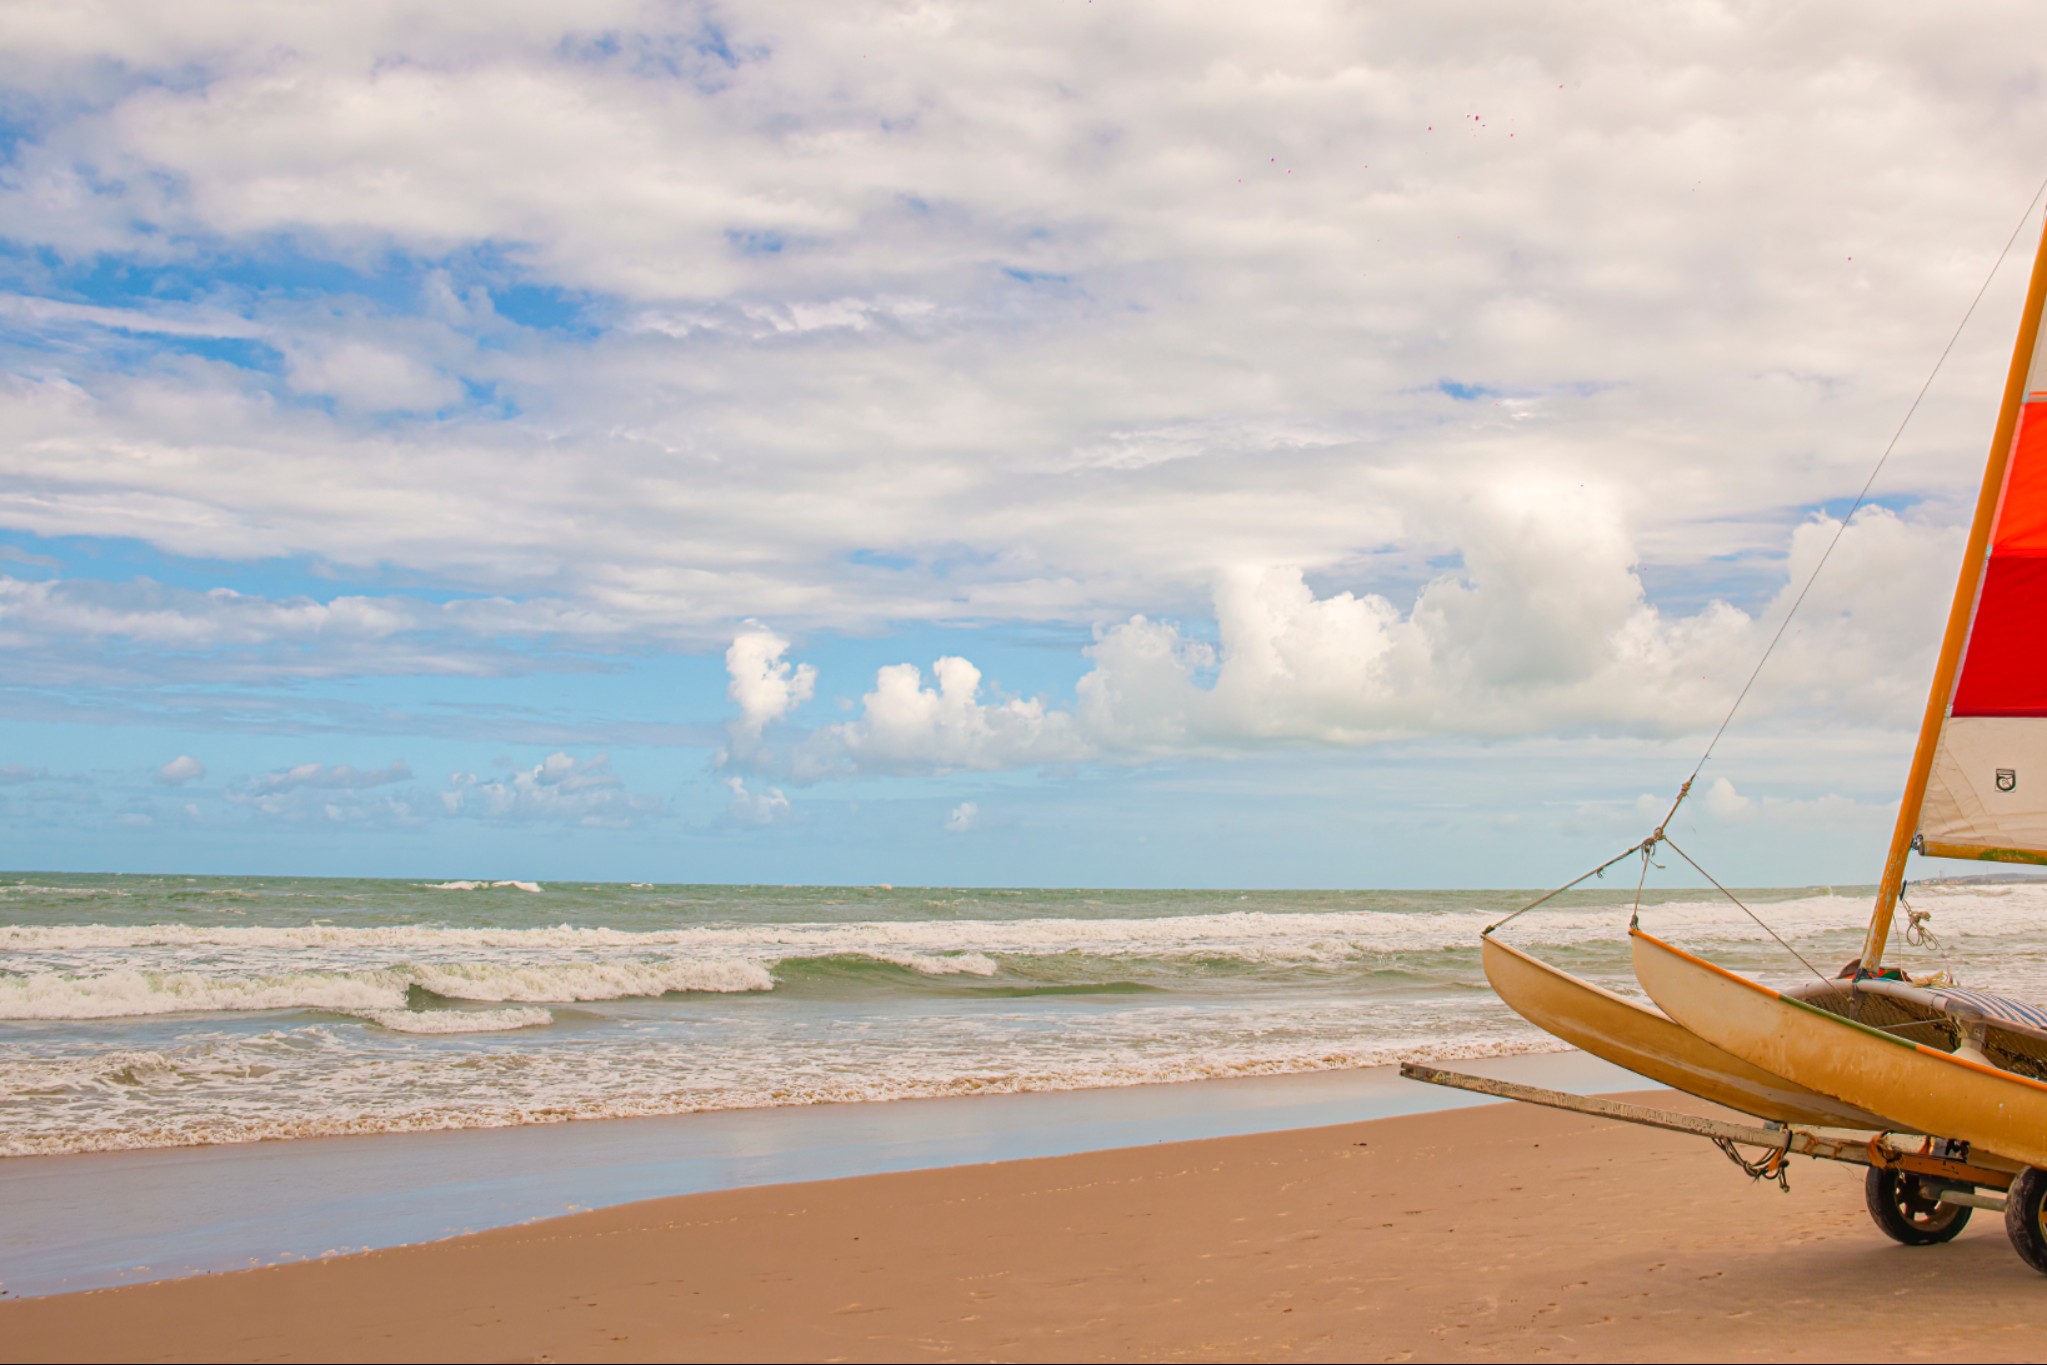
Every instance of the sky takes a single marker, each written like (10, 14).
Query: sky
(1050, 444)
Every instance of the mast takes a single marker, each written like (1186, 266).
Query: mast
(1960, 614)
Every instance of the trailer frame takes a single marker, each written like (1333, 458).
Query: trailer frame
(1950, 1167)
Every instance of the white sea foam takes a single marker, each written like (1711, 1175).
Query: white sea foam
(75, 971)
(586, 980)
(1256, 935)
(1258, 989)
(122, 994)
(952, 964)
(128, 993)
(126, 1101)
(1274, 934)
(534, 887)
(458, 1021)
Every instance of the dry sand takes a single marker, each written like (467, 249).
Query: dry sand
(1504, 1232)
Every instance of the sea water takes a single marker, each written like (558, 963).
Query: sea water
(140, 1011)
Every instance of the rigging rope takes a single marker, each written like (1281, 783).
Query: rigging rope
(1746, 911)
(1860, 498)
(1595, 872)
(1647, 846)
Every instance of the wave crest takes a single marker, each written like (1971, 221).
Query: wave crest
(1302, 936)
(370, 993)
(457, 1021)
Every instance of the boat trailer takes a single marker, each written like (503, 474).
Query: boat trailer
(1920, 1189)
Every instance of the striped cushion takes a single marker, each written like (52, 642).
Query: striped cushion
(1997, 1008)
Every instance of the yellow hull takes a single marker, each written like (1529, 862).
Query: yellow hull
(1648, 1043)
(1921, 1088)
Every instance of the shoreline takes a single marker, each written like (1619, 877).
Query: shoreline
(1492, 1232)
(98, 1219)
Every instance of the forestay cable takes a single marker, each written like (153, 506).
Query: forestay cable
(1860, 498)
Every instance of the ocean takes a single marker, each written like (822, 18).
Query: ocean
(148, 1011)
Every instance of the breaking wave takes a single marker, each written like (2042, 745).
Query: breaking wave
(457, 1021)
(372, 993)
(126, 1100)
(1252, 934)
(184, 1010)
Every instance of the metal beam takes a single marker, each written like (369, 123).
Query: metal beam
(1747, 1134)
(1890, 1151)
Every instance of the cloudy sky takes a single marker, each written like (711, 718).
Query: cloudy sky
(1066, 442)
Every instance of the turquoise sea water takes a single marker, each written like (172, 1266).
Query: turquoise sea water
(146, 1011)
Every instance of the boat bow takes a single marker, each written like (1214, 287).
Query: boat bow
(1630, 1034)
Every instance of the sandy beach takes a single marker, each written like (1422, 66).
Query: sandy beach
(1500, 1232)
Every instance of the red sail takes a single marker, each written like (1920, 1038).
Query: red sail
(2004, 672)
(1986, 790)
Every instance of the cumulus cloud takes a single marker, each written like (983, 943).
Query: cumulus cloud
(1723, 802)
(755, 808)
(1720, 802)
(180, 770)
(1545, 629)
(1363, 374)
(338, 776)
(560, 789)
(962, 817)
(338, 794)
(765, 686)
(904, 726)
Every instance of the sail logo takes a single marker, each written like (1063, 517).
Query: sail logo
(2007, 778)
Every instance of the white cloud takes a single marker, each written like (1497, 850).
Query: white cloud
(1724, 803)
(1356, 374)
(1545, 630)
(338, 776)
(1718, 802)
(332, 794)
(962, 817)
(371, 377)
(72, 629)
(180, 770)
(755, 808)
(904, 726)
(858, 284)
(559, 789)
(765, 686)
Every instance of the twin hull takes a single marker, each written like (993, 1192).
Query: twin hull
(1646, 1042)
(1919, 1088)
(1736, 1042)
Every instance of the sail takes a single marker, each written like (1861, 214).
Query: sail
(1986, 796)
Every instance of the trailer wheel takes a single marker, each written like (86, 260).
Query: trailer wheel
(1910, 1213)
(2025, 1221)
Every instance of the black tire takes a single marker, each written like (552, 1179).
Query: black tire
(2025, 1222)
(1910, 1213)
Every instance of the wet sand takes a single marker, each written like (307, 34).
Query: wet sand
(1500, 1232)
(100, 1219)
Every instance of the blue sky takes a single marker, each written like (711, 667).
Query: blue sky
(1343, 448)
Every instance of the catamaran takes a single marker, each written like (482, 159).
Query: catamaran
(1940, 1090)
